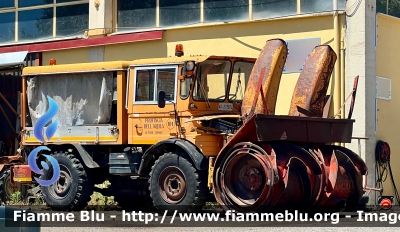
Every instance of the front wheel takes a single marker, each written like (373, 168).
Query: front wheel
(176, 185)
(73, 189)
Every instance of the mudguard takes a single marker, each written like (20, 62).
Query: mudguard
(87, 159)
(198, 159)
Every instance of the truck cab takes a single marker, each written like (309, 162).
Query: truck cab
(193, 97)
(181, 110)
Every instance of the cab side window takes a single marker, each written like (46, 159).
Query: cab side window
(166, 83)
(145, 85)
(149, 81)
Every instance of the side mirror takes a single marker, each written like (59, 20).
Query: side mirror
(161, 99)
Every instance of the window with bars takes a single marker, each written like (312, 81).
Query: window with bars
(389, 7)
(42, 19)
(148, 14)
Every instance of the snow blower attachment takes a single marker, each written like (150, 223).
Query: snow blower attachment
(287, 162)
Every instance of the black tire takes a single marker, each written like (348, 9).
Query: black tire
(78, 190)
(194, 191)
(7, 188)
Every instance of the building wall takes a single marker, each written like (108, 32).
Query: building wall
(68, 56)
(235, 39)
(387, 54)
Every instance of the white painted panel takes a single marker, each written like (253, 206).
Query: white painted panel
(383, 88)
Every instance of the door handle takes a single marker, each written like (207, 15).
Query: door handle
(136, 125)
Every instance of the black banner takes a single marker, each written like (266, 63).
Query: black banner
(33, 216)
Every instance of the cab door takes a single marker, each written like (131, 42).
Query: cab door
(148, 123)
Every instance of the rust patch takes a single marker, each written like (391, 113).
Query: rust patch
(10, 159)
(312, 85)
(272, 59)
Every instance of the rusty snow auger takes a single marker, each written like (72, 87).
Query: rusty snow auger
(285, 162)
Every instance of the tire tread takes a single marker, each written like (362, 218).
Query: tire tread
(85, 186)
(200, 181)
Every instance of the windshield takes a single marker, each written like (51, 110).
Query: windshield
(240, 77)
(212, 80)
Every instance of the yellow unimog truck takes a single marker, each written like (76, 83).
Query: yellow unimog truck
(150, 126)
(175, 132)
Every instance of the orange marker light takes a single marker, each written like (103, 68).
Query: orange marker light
(385, 202)
(179, 50)
(53, 62)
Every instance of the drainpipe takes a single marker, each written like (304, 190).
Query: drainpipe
(336, 39)
(342, 86)
(342, 90)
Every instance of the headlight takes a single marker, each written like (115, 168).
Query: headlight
(190, 65)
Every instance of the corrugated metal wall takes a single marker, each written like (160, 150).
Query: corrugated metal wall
(10, 85)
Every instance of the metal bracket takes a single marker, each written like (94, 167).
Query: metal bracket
(328, 100)
(97, 135)
(353, 99)
(305, 112)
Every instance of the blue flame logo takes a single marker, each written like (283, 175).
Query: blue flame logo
(38, 132)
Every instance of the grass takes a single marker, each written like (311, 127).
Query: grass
(17, 199)
(100, 202)
(97, 201)
(211, 206)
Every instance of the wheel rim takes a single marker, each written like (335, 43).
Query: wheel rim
(248, 179)
(62, 187)
(11, 188)
(172, 185)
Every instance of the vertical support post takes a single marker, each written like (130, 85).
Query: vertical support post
(336, 39)
(298, 6)
(387, 6)
(157, 13)
(18, 122)
(23, 106)
(16, 20)
(38, 59)
(361, 61)
(114, 16)
(250, 10)
(122, 105)
(202, 11)
(342, 73)
(54, 21)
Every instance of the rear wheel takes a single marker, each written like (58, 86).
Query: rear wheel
(7, 188)
(176, 185)
(73, 189)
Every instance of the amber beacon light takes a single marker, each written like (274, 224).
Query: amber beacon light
(52, 62)
(179, 50)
